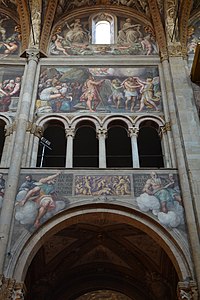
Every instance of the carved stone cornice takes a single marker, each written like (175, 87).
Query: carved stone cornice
(35, 129)
(10, 289)
(187, 290)
(25, 23)
(46, 30)
(158, 27)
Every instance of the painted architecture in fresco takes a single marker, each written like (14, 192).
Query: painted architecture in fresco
(107, 90)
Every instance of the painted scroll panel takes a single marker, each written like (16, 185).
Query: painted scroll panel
(99, 89)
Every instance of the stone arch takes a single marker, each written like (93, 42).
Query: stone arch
(126, 119)
(27, 246)
(93, 119)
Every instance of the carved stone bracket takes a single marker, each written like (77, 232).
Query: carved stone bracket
(187, 290)
(10, 289)
(35, 129)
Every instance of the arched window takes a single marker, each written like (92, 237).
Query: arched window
(85, 146)
(2, 137)
(118, 146)
(52, 148)
(103, 29)
(149, 145)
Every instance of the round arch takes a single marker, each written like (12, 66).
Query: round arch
(29, 245)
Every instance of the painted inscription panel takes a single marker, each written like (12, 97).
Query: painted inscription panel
(96, 89)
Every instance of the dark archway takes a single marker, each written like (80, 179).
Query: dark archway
(85, 146)
(118, 146)
(52, 154)
(149, 145)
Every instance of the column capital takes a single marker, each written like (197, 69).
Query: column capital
(10, 289)
(175, 49)
(165, 128)
(70, 132)
(187, 290)
(133, 131)
(102, 132)
(32, 54)
(10, 129)
(35, 129)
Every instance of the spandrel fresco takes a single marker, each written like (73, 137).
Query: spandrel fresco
(9, 37)
(10, 86)
(160, 195)
(41, 196)
(99, 89)
(128, 37)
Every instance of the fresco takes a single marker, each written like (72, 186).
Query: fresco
(102, 185)
(98, 90)
(75, 38)
(40, 197)
(159, 194)
(10, 85)
(193, 36)
(9, 37)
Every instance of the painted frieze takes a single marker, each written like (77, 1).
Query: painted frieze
(98, 89)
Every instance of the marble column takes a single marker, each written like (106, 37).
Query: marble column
(102, 134)
(17, 152)
(70, 132)
(133, 133)
(185, 130)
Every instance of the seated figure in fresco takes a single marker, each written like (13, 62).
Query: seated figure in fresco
(43, 193)
(129, 33)
(76, 34)
(162, 199)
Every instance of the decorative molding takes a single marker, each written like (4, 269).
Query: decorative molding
(25, 23)
(186, 7)
(46, 30)
(159, 32)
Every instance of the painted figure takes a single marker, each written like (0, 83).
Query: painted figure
(129, 33)
(131, 84)
(162, 197)
(90, 93)
(44, 195)
(117, 92)
(147, 94)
